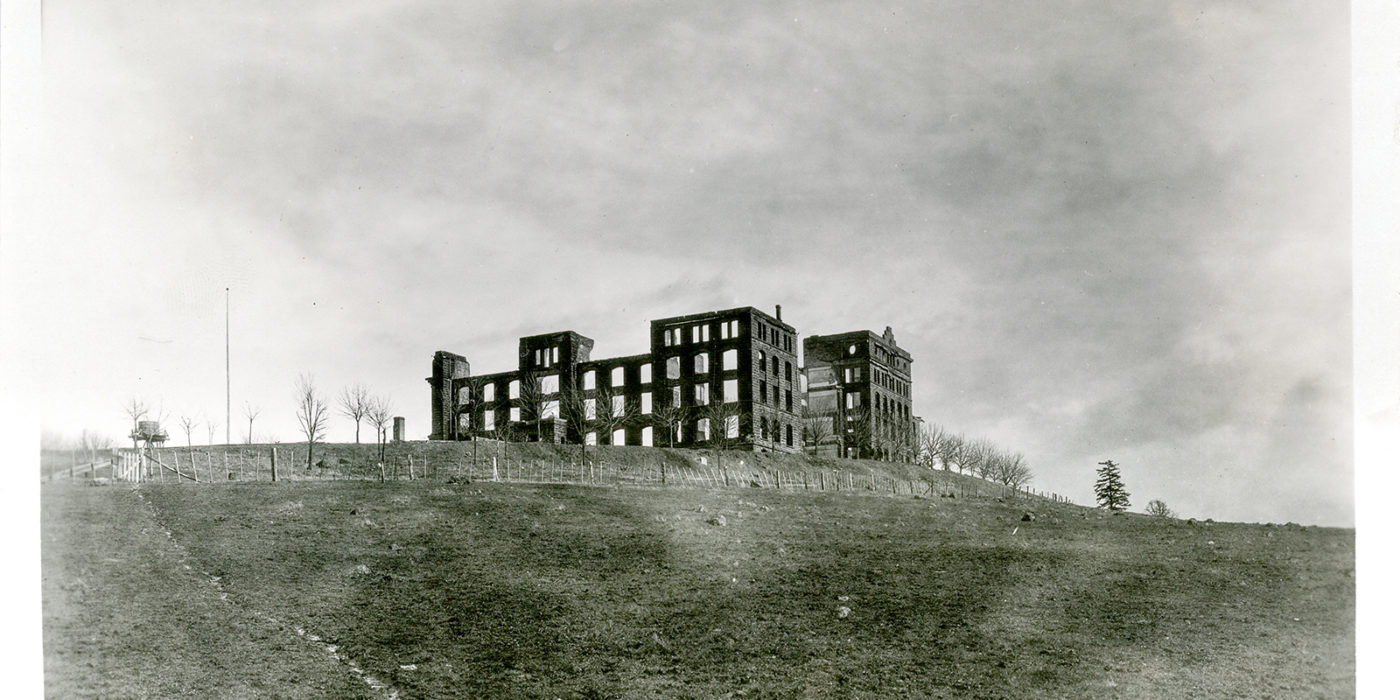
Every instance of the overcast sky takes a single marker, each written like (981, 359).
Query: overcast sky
(1101, 231)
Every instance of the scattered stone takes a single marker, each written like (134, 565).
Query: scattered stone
(361, 569)
(1027, 517)
(395, 546)
(408, 667)
(717, 520)
(700, 508)
(843, 612)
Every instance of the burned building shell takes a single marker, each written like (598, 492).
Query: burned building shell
(728, 378)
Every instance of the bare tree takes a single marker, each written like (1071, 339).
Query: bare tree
(578, 418)
(612, 411)
(903, 438)
(816, 427)
(724, 421)
(380, 414)
(211, 427)
(251, 412)
(1010, 469)
(982, 458)
(860, 434)
(532, 402)
(956, 450)
(188, 423)
(1159, 508)
(668, 419)
(354, 404)
(311, 414)
(92, 442)
(932, 440)
(135, 409)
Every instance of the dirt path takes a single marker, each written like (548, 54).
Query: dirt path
(332, 650)
(175, 631)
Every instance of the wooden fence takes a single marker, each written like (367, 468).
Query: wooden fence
(288, 462)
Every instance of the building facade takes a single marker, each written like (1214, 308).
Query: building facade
(725, 378)
(860, 395)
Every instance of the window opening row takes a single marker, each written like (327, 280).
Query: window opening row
(698, 333)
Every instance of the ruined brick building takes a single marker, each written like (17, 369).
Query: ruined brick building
(726, 378)
(859, 394)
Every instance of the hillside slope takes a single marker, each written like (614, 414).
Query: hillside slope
(490, 590)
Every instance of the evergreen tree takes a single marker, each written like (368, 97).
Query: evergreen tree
(1109, 490)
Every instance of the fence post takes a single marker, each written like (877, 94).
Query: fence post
(410, 467)
(274, 464)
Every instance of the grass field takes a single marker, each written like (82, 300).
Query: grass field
(507, 590)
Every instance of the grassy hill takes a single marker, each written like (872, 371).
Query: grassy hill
(430, 589)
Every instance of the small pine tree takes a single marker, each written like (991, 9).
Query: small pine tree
(1109, 490)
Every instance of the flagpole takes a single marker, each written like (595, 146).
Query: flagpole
(228, 402)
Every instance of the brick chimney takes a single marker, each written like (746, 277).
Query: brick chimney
(778, 311)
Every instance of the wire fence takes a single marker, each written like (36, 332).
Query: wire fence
(498, 462)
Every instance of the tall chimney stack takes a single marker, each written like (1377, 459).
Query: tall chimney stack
(778, 311)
